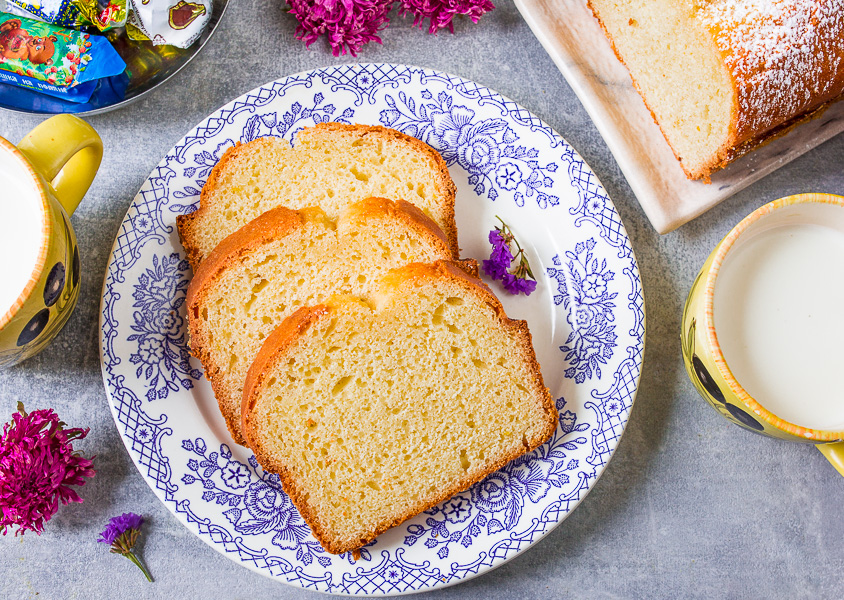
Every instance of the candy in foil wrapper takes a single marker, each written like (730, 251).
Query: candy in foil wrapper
(144, 61)
(76, 14)
(52, 60)
(173, 22)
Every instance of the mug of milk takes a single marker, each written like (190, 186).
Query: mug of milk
(42, 180)
(763, 327)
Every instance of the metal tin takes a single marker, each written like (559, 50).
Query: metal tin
(150, 65)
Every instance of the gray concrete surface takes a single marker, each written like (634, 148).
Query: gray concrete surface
(689, 507)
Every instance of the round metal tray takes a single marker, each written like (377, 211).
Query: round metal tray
(103, 99)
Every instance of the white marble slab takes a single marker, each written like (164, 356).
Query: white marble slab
(573, 38)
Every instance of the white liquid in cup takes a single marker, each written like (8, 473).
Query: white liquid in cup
(21, 222)
(778, 311)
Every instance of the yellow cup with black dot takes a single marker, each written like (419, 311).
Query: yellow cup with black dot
(763, 326)
(42, 180)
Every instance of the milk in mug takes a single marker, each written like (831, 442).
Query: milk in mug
(22, 221)
(778, 312)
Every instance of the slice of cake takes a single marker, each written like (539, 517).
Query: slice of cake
(331, 166)
(286, 259)
(723, 76)
(372, 412)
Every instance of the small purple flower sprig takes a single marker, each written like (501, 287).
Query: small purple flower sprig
(518, 281)
(349, 24)
(121, 534)
(38, 466)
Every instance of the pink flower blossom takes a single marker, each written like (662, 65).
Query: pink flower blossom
(442, 12)
(349, 24)
(37, 468)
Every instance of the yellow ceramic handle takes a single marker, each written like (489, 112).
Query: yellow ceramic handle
(834, 453)
(67, 152)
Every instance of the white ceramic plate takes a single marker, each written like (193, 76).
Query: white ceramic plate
(573, 38)
(587, 320)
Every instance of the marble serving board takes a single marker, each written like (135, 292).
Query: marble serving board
(575, 41)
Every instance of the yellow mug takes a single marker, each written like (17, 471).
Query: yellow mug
(739, 311)
(43, 179)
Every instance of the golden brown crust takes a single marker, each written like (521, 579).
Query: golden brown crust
(740, 150)
(402, 211)
(287, 334)
(185, 223)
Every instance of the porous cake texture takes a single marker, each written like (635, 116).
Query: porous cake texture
(723, 76)
(287, 259)
(331, 166)
(371, 412)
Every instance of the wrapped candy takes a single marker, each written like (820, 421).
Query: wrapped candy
(173, 22)
(145, 62)
(52, 60)
(75, 14)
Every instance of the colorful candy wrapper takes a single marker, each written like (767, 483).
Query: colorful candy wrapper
(174, 22)
(52, 60)
(75, 14)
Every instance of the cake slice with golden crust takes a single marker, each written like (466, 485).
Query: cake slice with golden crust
(286, 259)
(330, 166)
(371, 412)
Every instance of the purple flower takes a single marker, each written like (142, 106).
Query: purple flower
(521, 279)
(516, 285)
(442, 12)
(500, 257)
(348, 24)
(37, 468)
(117, 526)
(235, 475)
(121, 534)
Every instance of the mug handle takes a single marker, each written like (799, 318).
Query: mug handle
(834, 453)
(67, 152)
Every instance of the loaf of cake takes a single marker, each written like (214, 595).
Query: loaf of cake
(287, 259)
(723, 76)
(373, 411)
(331, 166)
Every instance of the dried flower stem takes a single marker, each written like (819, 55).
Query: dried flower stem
(524, 265)
(140, 565)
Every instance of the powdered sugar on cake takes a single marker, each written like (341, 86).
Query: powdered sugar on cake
(786, 55)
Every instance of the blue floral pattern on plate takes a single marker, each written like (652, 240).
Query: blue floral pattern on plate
(162, 357)
(587, 321)
(589, 309)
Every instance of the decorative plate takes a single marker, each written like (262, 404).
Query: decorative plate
(586, 317)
